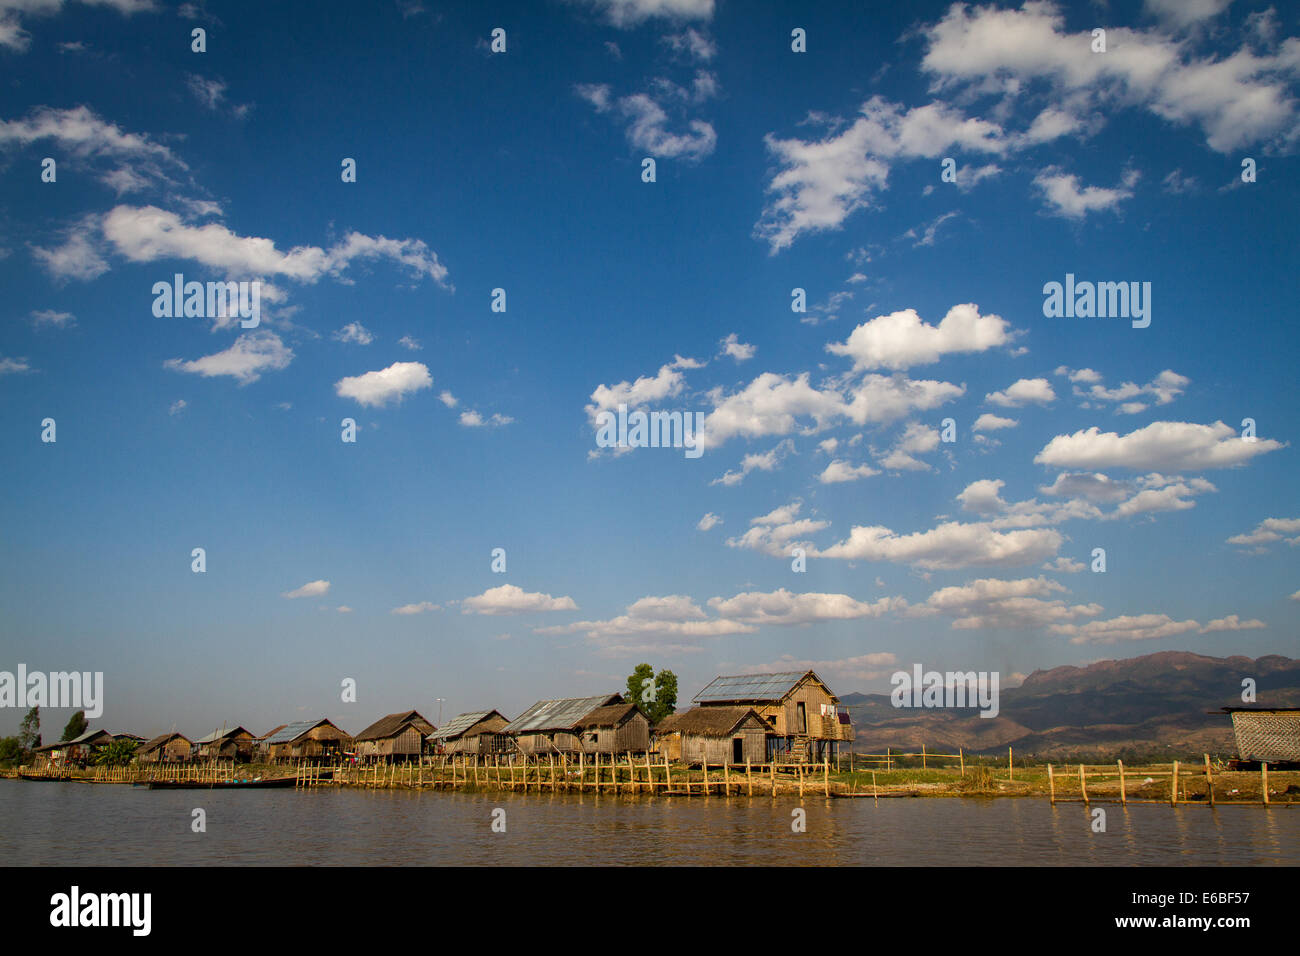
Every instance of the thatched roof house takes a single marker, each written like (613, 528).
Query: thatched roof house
(1266, 734)
(165, 748)
(615, 729)
(809, 721)
(234, 743)
(730, 734)
(311, 740)
(394, 737)
(476, 732)
(551, 726)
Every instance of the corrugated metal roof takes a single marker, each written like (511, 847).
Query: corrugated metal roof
(292, 730)
(562, 714)
(220, 734)
(764, 687)
(459, 724)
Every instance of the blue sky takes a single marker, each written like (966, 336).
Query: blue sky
(522, 170)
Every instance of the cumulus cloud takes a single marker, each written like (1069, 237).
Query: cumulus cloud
(354, 333)
(951, 545)
(989, 422)
(709, 521)
(1268, 531)
(788, 608)
(630, 13)
(1160, 446)
(511, 599)
(901, 339)
(1022, 392)
(252, 354)
(733, 347)
(996, 603)
(377, 389)
(839, 471)
(762, 461)
(1065, 197)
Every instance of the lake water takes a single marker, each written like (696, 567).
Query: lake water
(73, 824)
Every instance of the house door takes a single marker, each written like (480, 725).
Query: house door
(802, 713)
(737, 750)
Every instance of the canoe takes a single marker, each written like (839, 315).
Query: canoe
(222, 784)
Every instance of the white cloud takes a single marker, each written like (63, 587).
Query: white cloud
(630, 13)
(1026, 390)
(863, 667)
(1236, 100)
(1160, 446)
(1064, 565)
(901, 339)
(917, 439)
(648, 122)
(761, 461)
(989, 422)
(376, 389)
(839, 471)
(1066, 198)
(448, 399)
(410, 344)
(355, 333)
(786, 608)
(692, 42)
(1141, 627)
(511, 599)
(310, 589)
(472, 419)
(821, 182)
(949, 546)
(738, 350)
(995, 603)
(646, 390)
(1268, 531)
(419, 608)
(75, 259)
(251, 354)
(177, 407)
(147, 234)
(709, 521)
(11, 366)
(1233, 623)
(60, 320)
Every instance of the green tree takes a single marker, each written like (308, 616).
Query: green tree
(636, 689)
(655, 695)
(77, 725)
(11, 751)
(665, 696)
(29, 733)
(119, 753)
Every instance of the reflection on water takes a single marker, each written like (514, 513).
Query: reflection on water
(81, 824)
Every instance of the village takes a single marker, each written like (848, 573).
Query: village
(771, 733)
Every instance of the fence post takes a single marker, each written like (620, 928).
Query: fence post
(1051, 786)
(1083, 784)
(1209, 780)
(1263, 776)
(1173, 790)
(1123, 793)
(961, 755)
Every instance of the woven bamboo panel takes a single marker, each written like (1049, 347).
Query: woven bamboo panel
(1267, 736)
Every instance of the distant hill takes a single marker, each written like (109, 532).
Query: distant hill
(1143, 705)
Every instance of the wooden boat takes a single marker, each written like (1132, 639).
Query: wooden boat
(259, 783)
(40, 776)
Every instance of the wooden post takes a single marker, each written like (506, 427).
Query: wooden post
(1083, 784)
(749, 781)
(1263, 780)
(826, 775)
(704, 762)
(668, 774)
(923, 766)
(1051, 786)
(800, 778)
(1123, 793)
(875, 791)
(1173, 789)
(889, 758)
(961, 755)
(1011, 767)
(726, 778)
